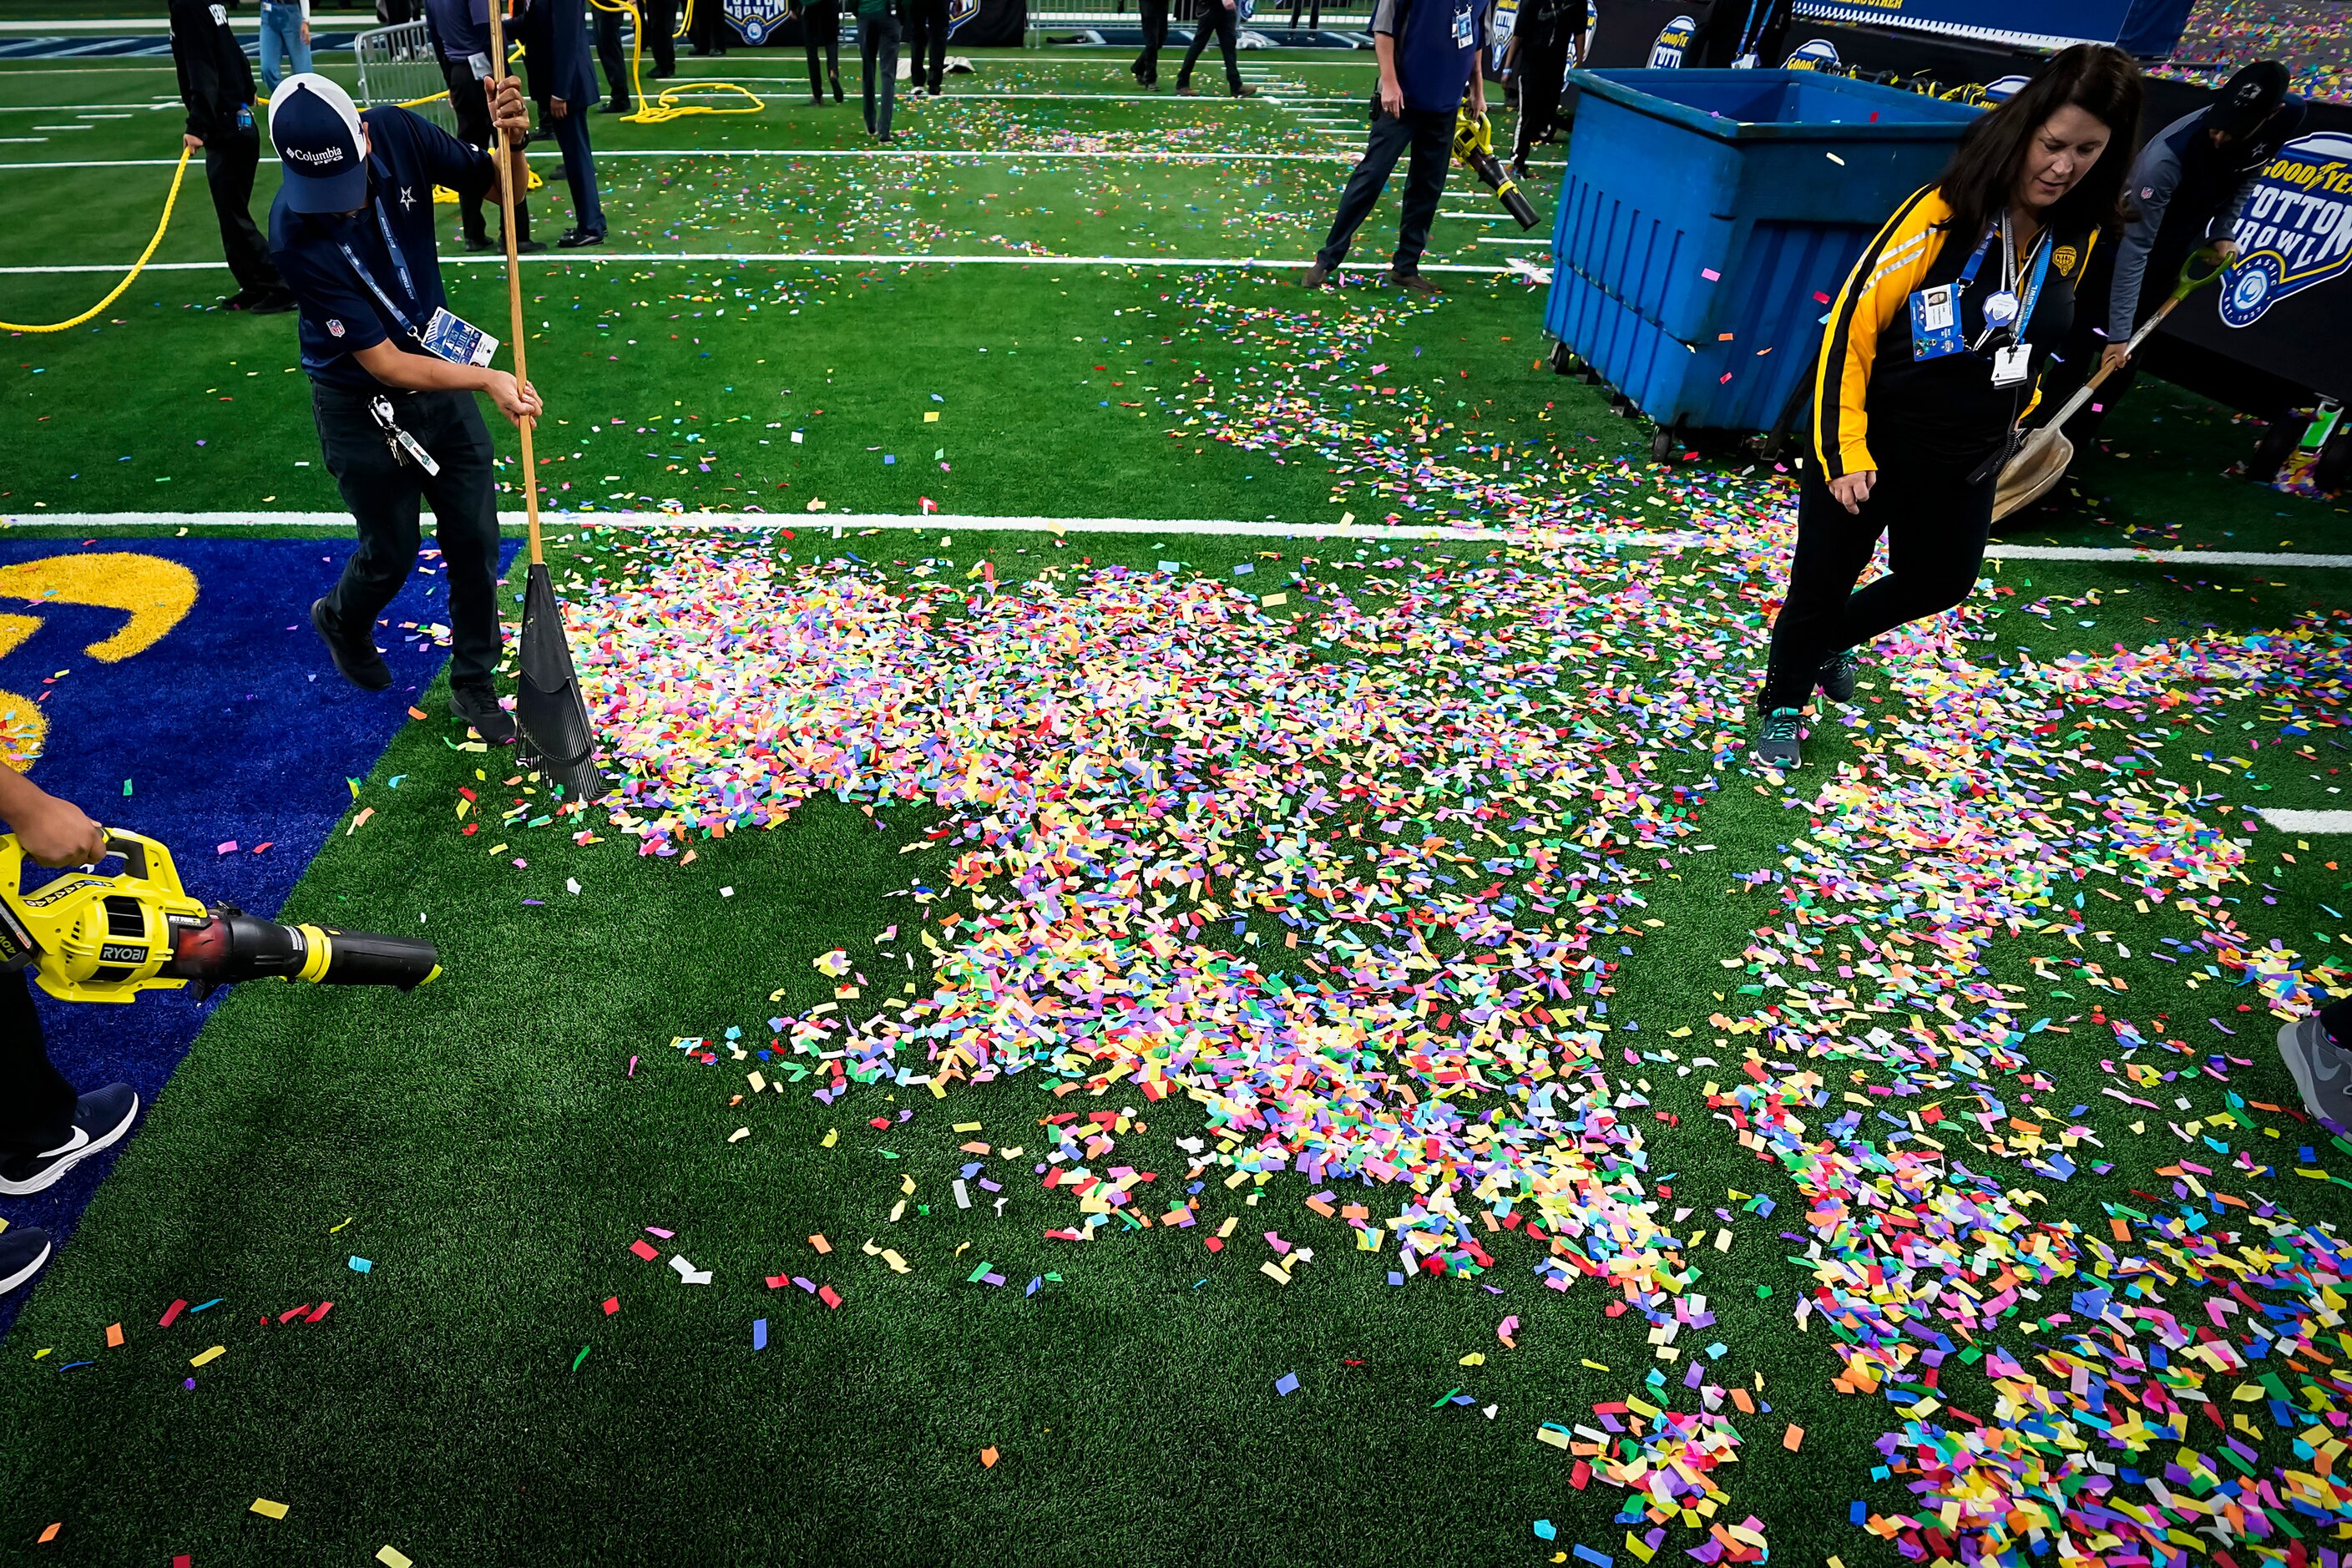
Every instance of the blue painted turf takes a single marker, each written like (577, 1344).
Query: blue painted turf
(233, 726)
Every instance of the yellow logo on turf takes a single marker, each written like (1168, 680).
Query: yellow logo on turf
(155, 593)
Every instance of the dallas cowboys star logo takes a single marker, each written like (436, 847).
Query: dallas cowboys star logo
(407, 197)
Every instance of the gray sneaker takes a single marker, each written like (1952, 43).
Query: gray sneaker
(2322, 1070)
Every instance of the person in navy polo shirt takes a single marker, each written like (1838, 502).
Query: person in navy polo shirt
(1428, 52)
(392, 370)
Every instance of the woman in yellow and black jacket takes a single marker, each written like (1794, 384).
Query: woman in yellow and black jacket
(1929, 360)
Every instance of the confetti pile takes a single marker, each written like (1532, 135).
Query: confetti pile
(2224, 34)
(1353, 854)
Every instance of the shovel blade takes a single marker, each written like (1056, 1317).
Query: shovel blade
(549, 706)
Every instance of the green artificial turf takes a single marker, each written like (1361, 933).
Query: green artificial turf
(491, 1144)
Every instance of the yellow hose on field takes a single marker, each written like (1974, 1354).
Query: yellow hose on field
(658, 110)
(144, 257)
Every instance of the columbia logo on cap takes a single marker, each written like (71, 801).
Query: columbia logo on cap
(318, 134)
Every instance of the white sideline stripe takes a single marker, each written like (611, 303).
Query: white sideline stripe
(795, 81)
(836, 152)
(792, 152)
(951, 521)
(1233, 263)
(825, 521)
(2185, 557)
(2306, 821)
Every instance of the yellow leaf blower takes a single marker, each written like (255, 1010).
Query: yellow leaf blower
(1474, 149)
(89, 938)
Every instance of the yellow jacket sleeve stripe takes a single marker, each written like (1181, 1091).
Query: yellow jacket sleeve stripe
(1876, 293)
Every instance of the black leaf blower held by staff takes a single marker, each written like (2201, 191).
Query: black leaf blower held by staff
(1474, 149)
(89, 938)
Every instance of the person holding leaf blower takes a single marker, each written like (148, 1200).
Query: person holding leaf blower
(1428, 53)
(46, 1128)
(393, 371)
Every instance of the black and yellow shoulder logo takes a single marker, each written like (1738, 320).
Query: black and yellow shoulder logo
(2063, 259)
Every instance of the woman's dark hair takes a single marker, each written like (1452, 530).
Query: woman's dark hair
(2105, 83)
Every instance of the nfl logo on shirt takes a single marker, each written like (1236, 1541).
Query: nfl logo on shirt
(754, 18)
(334, 328)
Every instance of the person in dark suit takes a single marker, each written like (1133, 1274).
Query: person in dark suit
(614, 58)
(705, 28)
(659, 20)
(555, 34)
(1154, 16)
(820, 29)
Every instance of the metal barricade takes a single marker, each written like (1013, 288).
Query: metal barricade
(397, 65)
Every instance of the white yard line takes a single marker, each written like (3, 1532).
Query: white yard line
(946, 522)
(2306, 821)
(1228, 263)
(604, 153)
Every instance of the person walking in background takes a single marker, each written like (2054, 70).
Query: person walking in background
(1218, 19)
(1430, 53)
(927, 40)
(216, 90)
(285, 35)
(460, 31)
(2186, 189)
(821, 27)
(1547, 30)
(878, 57)
(1314, 17)
(554, 36)
(1929, 357)
(613, 58)
(1153, 13)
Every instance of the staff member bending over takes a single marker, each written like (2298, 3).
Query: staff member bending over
(1929, 359)
(390, 369)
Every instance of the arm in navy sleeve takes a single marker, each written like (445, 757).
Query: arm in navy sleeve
(464, 170)
(192, 55)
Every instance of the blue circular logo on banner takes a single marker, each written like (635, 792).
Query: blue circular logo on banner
(2248, 291)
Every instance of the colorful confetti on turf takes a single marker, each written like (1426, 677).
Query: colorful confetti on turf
(1356, 873)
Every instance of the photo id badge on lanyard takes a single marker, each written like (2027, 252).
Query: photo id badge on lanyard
(1461, 33)
(1936, 312)
(447, 335)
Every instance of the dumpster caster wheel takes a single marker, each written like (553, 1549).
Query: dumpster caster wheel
(1664, 442)
(1563, 363)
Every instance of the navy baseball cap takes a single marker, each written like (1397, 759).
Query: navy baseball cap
(317, 131)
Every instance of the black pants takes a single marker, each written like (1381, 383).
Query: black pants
(927, 43)
(821, 27)
(1935, 524)
(1218, 21)
(1314, 14)
(1430, 134)
(877, 52)
(570, 133)
(382, 496)
(37, 1104)
(659, 19)
(468, 102)
(1154, 15)
(612, 56)
(707, 30)
(230, 158)
(1543, 68)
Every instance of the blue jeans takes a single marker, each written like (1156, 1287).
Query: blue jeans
(281, 33)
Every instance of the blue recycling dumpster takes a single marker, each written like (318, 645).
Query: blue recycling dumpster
(1706, 216)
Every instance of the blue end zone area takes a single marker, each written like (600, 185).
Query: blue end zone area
(176, 686)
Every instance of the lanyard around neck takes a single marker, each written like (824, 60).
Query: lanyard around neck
(399, 265)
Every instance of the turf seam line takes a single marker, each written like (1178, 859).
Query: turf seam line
(1241, 263)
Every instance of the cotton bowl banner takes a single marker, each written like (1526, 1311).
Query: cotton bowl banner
(755, 19)
(1674, 42)
(2296, 230)
(960, 12)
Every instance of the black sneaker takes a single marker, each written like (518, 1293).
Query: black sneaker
(573, 239)
(617, 107)
(277, 302)
(477, 243)
(100, 1119)
(360, 663)
(529, 247)
(241, 301)
(479, 706)
(1835, 677)
(23, 1250)
(1777, 746)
